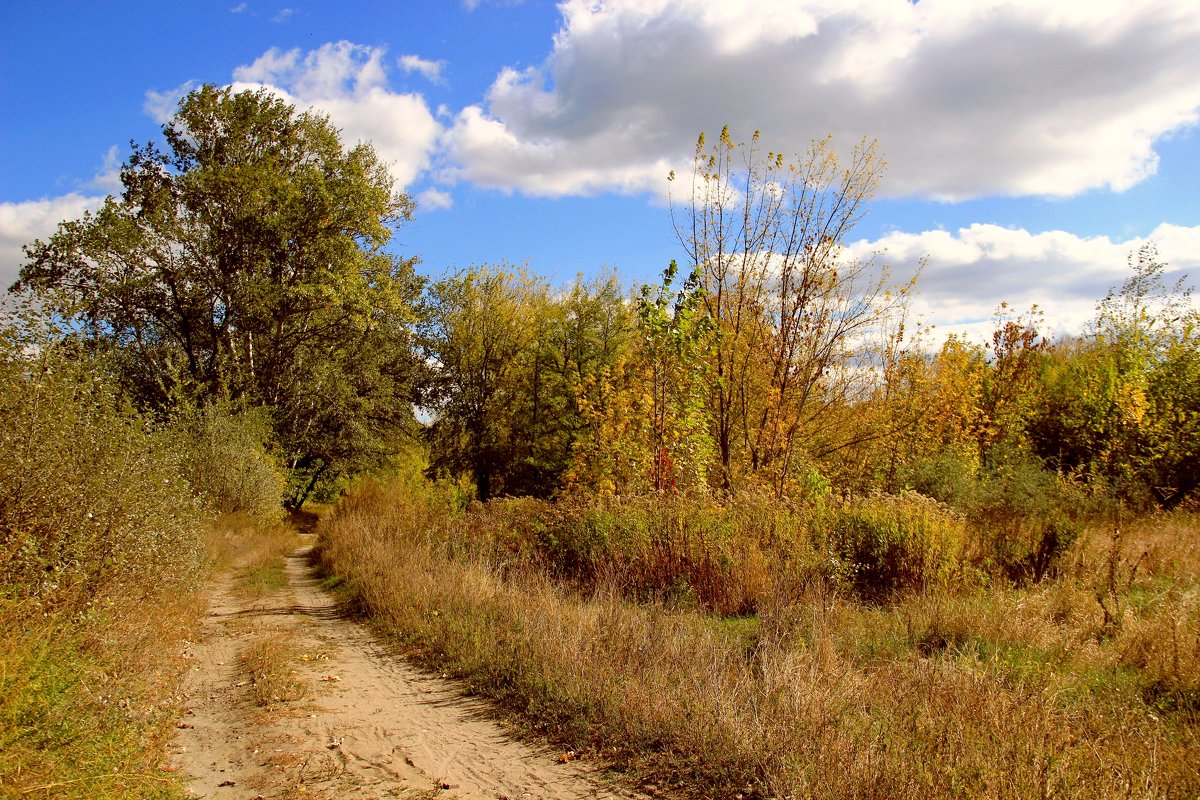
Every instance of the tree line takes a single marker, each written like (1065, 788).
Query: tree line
(244, 263)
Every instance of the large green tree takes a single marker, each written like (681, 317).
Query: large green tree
(479, 329)
(515, 374)
(245, 261)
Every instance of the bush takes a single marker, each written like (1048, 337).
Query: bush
(948, 477)
(1028, 518)
(228, 464)
(893, 544)
(683, 550)
(92, 494)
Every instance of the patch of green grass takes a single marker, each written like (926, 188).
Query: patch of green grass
(262, 579)
(1146, 596)
(73, 722)
(742, 630)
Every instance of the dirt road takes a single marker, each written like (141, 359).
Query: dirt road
(369, 725)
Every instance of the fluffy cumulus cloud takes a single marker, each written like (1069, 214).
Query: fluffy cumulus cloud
(969, 272)
(22, 223)
(991, 97)
(108, 177)
(349, 82)
(161, 106)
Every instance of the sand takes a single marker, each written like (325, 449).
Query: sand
(369, 726)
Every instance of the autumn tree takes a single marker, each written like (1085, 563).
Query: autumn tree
(1011, 386)
(512, 366)
(1123, 403)
(791, 308)
(649, 428)
(927, 410)
(581, 336)
(245, 262)
(479, 324)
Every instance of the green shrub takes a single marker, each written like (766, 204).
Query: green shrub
(228, 464)
(892, 544)
(678, 549)
(948, 477)
(1027, 518)
(92, 494)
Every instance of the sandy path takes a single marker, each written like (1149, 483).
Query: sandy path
(370, 726)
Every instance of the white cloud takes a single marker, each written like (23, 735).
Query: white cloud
(108, 178)
(22, 223)
(433, 199)
(283, 15)
(431, 70)
(991, 97)
(161, 106)
(349, 82)
(333, 70)
(972, 270)
(491, 154)
(238, 9)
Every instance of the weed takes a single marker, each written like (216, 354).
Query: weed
(269, 661)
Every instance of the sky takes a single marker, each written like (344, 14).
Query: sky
(1032, 145)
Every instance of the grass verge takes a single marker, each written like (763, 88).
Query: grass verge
(88, 693)
(988, 691)
(86, 703)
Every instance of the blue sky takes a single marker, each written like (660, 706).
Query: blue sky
(1031, 145)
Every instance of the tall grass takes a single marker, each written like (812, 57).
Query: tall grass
(952, 687)
(690, 552)
(254, 550)
(268, 661)
(85, 704)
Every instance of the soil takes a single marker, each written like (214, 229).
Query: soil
(368, 726)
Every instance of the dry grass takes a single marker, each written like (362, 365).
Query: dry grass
(269, 661)
(254, 549)
(996, 692)
(86, 703)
